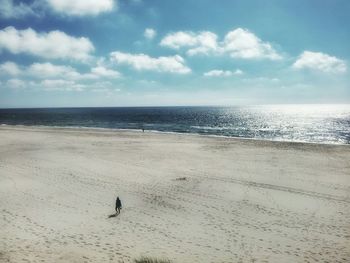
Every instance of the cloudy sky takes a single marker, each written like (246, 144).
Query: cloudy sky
(57, 53)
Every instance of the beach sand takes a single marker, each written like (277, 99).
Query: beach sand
(187, 198)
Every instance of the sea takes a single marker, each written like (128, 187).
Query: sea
(329, 124)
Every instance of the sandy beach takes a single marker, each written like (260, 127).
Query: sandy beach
(186, 198)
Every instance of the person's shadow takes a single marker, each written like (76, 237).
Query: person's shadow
(113, 215)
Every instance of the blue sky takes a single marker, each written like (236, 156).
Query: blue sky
(57, 53)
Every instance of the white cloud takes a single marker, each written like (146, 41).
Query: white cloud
(172, 64)
(60, 84)
(81, 7)
(320, 61)
(149, 33)
(15, 84)
(48, 70)
(239, 43)
(10, 68)
(55, 44)
(9, 10)
(51, 77)
(71, 85)
(57, 84)
(222, 73)
(238, 72)
(218, 73)
(105, 72)
(203, 42)
(51, 71)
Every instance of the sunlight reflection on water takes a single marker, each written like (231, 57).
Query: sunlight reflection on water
(302, 123)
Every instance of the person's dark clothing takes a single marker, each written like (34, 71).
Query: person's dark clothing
(118, 205)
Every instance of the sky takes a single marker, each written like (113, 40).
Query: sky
(105, 53)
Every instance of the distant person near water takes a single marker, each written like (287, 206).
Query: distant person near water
(118, 205)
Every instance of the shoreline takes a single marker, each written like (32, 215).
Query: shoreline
(137, 131)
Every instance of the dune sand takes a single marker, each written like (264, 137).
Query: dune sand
(187, 198)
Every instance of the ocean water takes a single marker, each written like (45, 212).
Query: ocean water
(300, 123)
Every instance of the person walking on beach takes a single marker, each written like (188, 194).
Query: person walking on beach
(118, 205)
